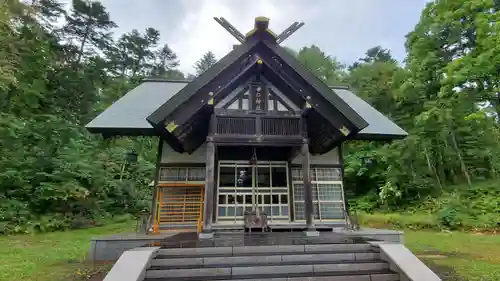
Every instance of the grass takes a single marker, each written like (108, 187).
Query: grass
(458, 255)
(51, 256)
(59, 256)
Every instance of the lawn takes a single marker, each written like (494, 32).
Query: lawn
(51, 256)
(57, 256)
(456, 255)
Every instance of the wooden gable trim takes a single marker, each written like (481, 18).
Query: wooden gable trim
(314, 100)
(277, 96)
(204, 83)
(290, 64)
(329, 116)
(232, 97)
(281, 97)
(181, 117)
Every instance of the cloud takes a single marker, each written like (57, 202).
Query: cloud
(198, 32)
(342, 28)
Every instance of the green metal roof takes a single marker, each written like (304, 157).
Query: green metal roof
(127, 116)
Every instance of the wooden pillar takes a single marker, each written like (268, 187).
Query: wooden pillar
(308, 192)
(209, 186)
(153, 223)
(345, 199)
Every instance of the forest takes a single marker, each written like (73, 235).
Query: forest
(56, 75)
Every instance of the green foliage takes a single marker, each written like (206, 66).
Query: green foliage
(445, 97)
(461, 207)
(54, 175)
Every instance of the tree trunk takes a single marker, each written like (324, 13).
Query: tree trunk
(462, 164)
(432, 169)
(84, 40)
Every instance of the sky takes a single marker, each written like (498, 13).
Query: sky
(344, 29)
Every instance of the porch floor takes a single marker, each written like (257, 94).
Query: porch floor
(293, 226)
(191, 240)
(109, 248)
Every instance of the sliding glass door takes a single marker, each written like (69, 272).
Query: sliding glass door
(243, 187)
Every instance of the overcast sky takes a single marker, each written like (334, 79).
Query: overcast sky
(342, 28)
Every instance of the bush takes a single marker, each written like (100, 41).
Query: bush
(475, 208)
(400, 221)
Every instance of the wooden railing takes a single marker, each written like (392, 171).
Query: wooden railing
(236, 126)
(258, 125)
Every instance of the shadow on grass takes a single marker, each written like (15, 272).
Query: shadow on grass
(446, 273)
(73, 270)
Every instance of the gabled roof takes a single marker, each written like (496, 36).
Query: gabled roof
(238, 54)
(319, 86)
(380, 127)
(127, 116)
(272, 54)
(182, 115)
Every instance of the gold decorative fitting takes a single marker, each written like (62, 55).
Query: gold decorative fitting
(250, 32)
(171, 127)
(272, 33)
(261, 19)
(345, 131)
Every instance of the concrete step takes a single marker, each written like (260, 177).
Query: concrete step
(290, 259)
(380, 276)
(191, 226)
(266, 272)
(264, 250)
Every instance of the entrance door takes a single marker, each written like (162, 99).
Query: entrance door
(243, 187)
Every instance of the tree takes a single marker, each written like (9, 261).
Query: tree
(56, 175)
(375, 54)
(166, 60)
(206, 61)
(323, 66)
(9, 53)
(88, 27)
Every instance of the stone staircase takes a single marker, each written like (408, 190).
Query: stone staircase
(344, 261)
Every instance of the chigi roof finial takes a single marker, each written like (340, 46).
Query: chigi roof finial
(261, 26)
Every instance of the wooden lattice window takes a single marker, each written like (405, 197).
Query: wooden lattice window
(328, 194)
(182, 174)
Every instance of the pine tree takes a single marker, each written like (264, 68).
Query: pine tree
(206, 61)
